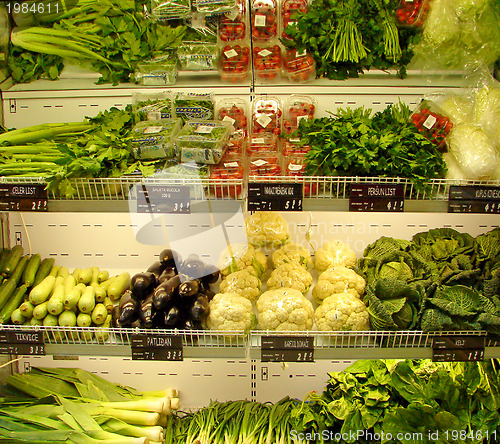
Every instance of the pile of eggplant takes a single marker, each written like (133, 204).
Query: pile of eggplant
(171, 294)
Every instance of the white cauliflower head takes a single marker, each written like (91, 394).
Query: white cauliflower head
(242, 282)
(333, 253)
(290, 276)
(292, 252)
(242, 257)
(342, 311)
(230, 311)
(285, 309)
(338, 280)
(267, 228)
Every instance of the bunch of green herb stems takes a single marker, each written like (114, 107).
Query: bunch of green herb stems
(235, 422)
(75, 406)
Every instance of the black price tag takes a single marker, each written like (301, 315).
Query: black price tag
(463, 355)
(21, 337)
(287, 349)
(171, 199)
(451, 348)
(377, 197)
(23, 197)
(474, 199)
(156, 347)
(274, 196)
(156, 354)
(22, 349)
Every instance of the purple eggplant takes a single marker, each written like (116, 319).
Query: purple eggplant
(193, 267)
(142, 284)
(211, 274)
(167, 273)
(172, 317)
(164, 293)
(199, 310)
(170, 258)
(156, 268)
(146, 311)
(189, 288)
(128, 309)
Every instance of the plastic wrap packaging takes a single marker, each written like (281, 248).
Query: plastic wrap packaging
(198, 56)
(234, 111)
(475, 153)
(459, 35)
(152, 106)
(192, 106)
(153, 139)
(454, 171)
(160, 71)
(170, 9)
(267, 228)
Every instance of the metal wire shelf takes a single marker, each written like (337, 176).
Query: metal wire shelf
(315, 187)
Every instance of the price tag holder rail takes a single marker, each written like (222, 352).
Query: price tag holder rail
(275, 196)
(156, 347)
(377, 197)
(287, 349)
(454, 348)
(474, 199)
(22, 342)
(23, 197)
(167, 199)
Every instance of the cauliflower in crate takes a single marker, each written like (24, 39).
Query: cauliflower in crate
(292, 253)
(238, 257)
(284, 309)
(244, 283)
(230, 311)
(267, 229)
(338, 280)
(290, 275)
(342, 312)
(333, 253)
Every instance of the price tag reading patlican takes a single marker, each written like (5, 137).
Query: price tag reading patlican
(23, 197)
(273, 196)
(452, 348)
(172, 199)
(287, 349)
(376, 197)
(156, 347)
(474, 199)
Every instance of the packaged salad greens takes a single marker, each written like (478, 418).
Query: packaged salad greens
(152, 106)
(198, 56)
(189, 106)
(157, 72)
(170, 9)
(153, 139)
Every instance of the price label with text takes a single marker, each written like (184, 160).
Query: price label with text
(156, 354)
(451, 348)
(458, 355)
(287, 349)
(274, 196)
(156, 347)
(376, 197)
(23, 197)
(22, 349)
(171, 199)
(474, 199)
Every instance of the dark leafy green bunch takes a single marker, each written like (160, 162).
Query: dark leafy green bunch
(347, 37)
(417, 398)
(440, 280)
(357, 143)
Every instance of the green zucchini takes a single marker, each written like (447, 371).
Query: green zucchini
(13, 303)
(27, 309)
(43, 270)
(118, 286)
(6, 291)
(85, 276)
(12, 260)
(42, 291)
(19, 270)
(31, 269)
(3, 257)
(17, 318)
(55, 270)
(40, 311)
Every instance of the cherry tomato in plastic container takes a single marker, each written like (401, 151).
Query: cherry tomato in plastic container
(264, 19)
(412, 13)
(234, 111)
(289, 10)
(297, 108)
(295, 166)
(262, 142)
(265, 164)
(234, 63)
(430, 121)
(266, 115)
(299, 66)
(292, 147)
(226, 178)
(233, 23)
(267, 62)
(236, 144)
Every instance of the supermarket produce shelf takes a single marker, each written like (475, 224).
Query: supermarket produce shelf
(321, 193)
(94, 341)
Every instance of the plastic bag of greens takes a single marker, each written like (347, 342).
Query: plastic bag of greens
(170, 9)
(152, 106)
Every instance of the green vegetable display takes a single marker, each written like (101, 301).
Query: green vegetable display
(347, 37)
(357, 143)
(440, 280)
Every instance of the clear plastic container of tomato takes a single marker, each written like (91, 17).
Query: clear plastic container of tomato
(412, 13)
(267, 62)
(298, 107)
(265, 164)
(233, 24)
(432, 123)
(230, 169)
(264, 19)
(235, 63)
(289, 8)
(235, 111)
(267, 112)
(295, 166)
(291, 148)
(262, 142)
(299, 66)
(236, 144)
